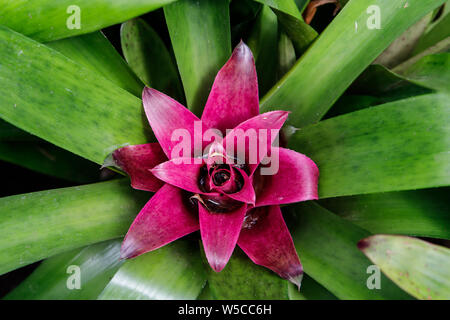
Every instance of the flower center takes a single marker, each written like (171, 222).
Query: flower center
(220, 177)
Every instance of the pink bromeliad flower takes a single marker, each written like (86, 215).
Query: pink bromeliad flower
(227, 195)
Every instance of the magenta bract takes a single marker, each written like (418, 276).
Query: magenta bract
(229, 185)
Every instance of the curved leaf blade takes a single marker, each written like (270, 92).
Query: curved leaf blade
(327, 246)
(149, 58)
(242, 279)
(83, 113)
(147, 278)
(420, 268)
(201, 38)
(94, 51)
(401, 145)
(48, 159)
(319, 77)
(419, 212)
(97, 264)
(38, 225)
(286, 6)
(43, 20)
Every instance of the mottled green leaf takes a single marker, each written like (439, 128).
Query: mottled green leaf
(401, 145)
(149, 58)
(46, 20)
(263, 43)
(172, 272)
(339, 55)
(51, 96)
(38, 225)
(419, 212)
(418, 267)
(201, 38)
(97, 264)
(48, 159)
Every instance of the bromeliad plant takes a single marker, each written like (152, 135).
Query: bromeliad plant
(235, 197)
(364, 94)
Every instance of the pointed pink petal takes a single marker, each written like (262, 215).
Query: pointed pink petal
(163, 219)
(296, 180)
(167, 117)
(234, 94)
(137, 160)
(254, 137)
(182, 175)
(220, 232)
(267, 241)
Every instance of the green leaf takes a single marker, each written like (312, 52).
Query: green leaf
(149, 58)
(50, 96)
(437, 32)
(172, 272)
(242, 279)
(286, 6)
(419, 212)
(339, 55)
(301, 34)
(201, 38)
(9, 132)
(97, 264)
(401, 145)
(48, 159)
(43, 20)
(94, 51)
(301, 5)
(263, 41)
(286, 54)
(327, 248)
(402, 48)
(431, 71)
(38, 225)
(442, 46)
(418, 267)
(310, 290)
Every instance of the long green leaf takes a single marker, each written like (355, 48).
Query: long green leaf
(402, 48)
(48, 159)
(339, 55)
(431, 71)
(172, 272)
(38, 225)
(45, 20)
(263, 41)
(301, 34)
(97, 264)
(8, 132)
(420, 268)
(441, 46)
(201, 38)
(327, 248)
(94, 51)
(401, 145)
(419, 212)
(149, 58)
(46, 94)
(242, 279)
(286, 6)
(437, 32)
(311, 290)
